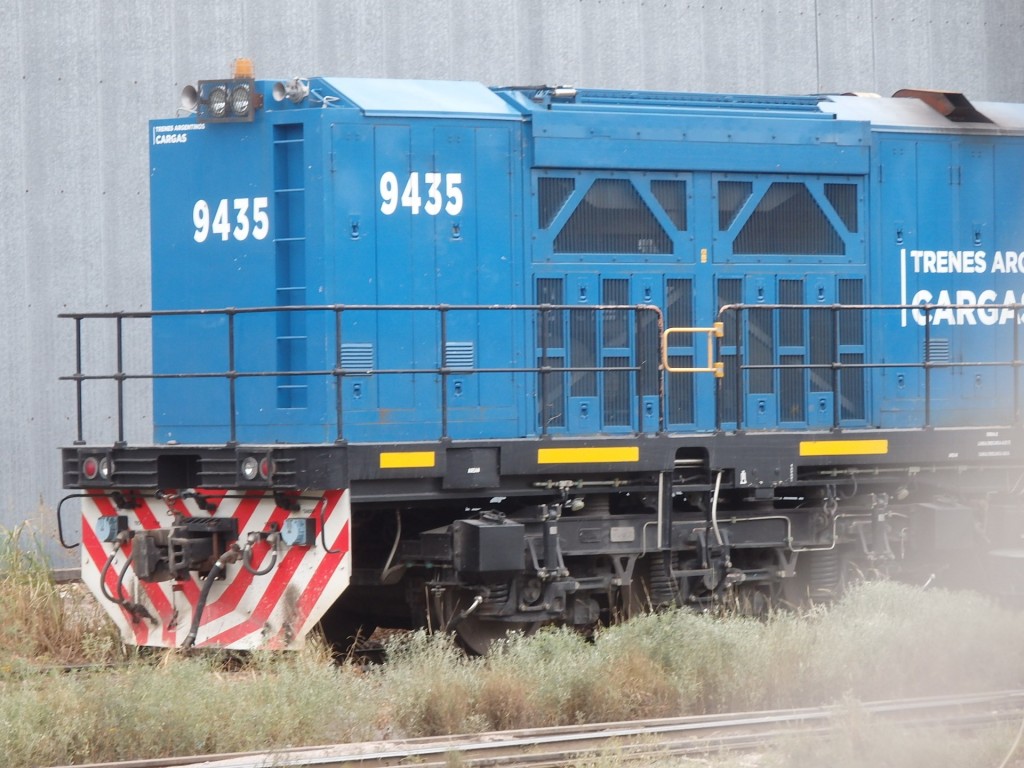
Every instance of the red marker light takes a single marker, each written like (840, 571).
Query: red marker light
(266, 467)
(90, 467)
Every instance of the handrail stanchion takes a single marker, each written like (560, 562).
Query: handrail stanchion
(120, 377)
(836, 365)
(661, 374)
(927, 367)
(738, 341)
(443, 310)
(719, 382)
(1016, 364)
(542, 375)
(232, 376)
(638, 340)
(339, 376)
(78, 380)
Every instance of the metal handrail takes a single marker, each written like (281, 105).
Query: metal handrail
(716, 367)
(338, 371)
(836, 366)
(543, 370)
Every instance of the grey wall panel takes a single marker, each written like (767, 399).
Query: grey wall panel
(846, 58)
(954, 46)
(83, 79)
(354, 38)
(495, 48)
(13, 278)
(59, 150)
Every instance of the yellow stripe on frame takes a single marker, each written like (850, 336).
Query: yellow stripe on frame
(407, 460)
(607, 454)
(843, 447)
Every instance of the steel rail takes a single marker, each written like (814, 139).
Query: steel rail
(692, 735)
(58, 576)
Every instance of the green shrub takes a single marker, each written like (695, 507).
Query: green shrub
(882, 640)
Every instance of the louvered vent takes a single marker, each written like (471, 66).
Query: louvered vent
(937, 351)
(460, 355)
(357, 357)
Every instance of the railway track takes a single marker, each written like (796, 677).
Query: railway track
(66, 575)
(632, 741)
(57, 575)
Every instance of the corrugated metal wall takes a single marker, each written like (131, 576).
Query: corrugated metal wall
(83, 78)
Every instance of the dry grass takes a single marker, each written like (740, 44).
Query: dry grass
(882, 641)
(42, 622)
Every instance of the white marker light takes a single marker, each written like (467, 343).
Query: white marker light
(250, 467)
(106, 468)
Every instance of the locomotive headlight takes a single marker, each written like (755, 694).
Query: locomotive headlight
(217, 101)
(240, 98)
(223, 101)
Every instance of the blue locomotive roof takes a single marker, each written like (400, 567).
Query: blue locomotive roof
(606, 100)
(437, 98)
(377, 96)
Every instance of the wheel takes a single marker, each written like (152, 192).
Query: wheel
(821, 576)
(652, 587)
(753, 600)
(455, 611)
(343, 627)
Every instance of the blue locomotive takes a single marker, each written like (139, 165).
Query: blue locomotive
(430, 353)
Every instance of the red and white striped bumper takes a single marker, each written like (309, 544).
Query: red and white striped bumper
(244, 611)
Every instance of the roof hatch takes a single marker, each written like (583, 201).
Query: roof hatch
(952, 106)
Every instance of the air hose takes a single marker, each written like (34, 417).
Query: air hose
(136, 610)
(223, 561)
(272, 539)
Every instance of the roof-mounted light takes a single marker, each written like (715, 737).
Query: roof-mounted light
(217, 101)
(243, 68)
(223, 101)
(240, 100)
